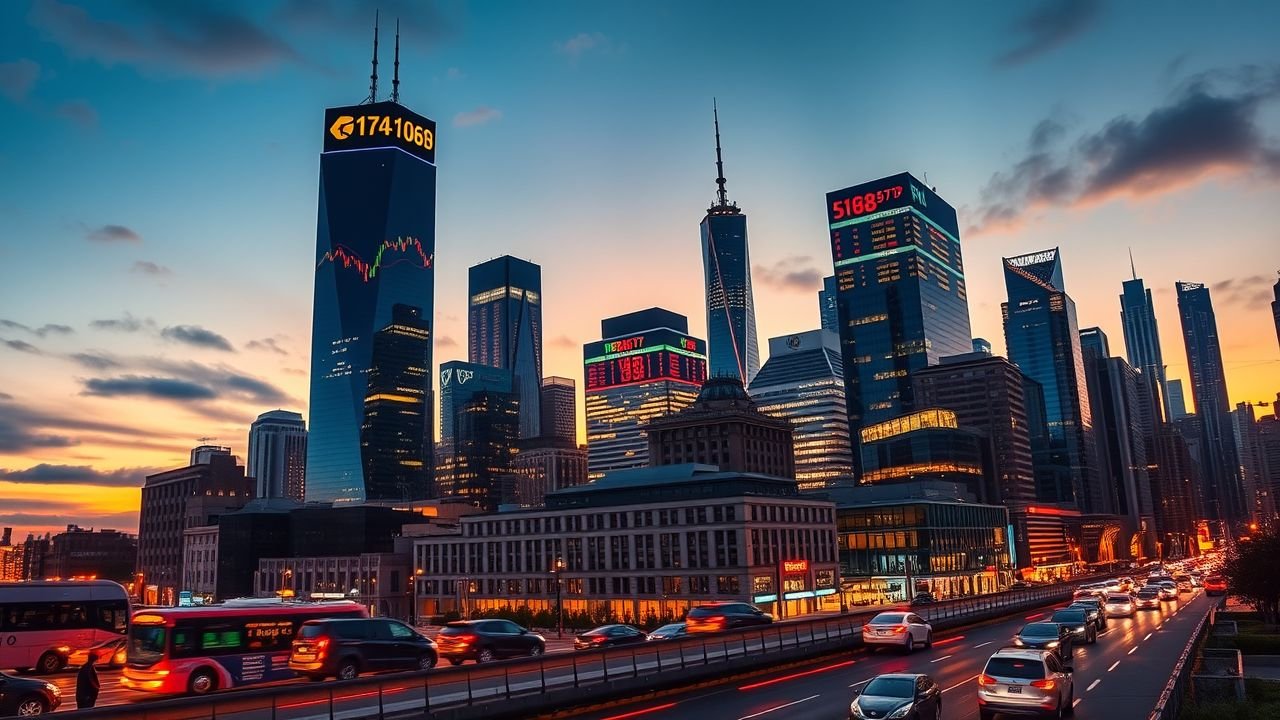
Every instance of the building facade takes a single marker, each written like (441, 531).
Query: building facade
(902, 302)
(481, 408)
(803, 382)
(560, 409)
(1177, 401)
(647, 366)
(828, 310)
(1142, 342)
(726, 264)
(544, 465)
(102, 555)
(1260, 508)
(278, 454)
(504, 329)
(200, 561)
(382, 582)
(370, 408)
(928, 444)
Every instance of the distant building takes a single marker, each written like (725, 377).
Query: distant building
(278, 454)
(1260, 505)
(828, 311)
(459, 381)
(544, 465)
(1177, 401)
(200, 560)
(982, 345)
(1174, 479)
(1142, 342)
(803, 382)
(1275, 308)
(724, 427)
(382, 582)
(928, 445)
(560, 408)
(480, 407)
(504, 328)
(1269, 454)
(80, 553)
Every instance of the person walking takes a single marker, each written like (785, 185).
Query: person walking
(87, 683)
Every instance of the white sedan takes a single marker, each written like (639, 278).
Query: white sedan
(905, 630)
(1119, 605)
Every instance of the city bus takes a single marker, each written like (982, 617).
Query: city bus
(43, 621)
(197, 650)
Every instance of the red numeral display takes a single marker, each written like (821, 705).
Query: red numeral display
(862, 204)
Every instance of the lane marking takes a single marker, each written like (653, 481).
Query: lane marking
(1075, 702)
(793, 676)
(945, 641)
(944, 657)
(1131, 650)
(645, 711)
(1033, 617)
(1148, 637)
(962, 682)
(1093, 685)
(975, 647)
(772, 709)
(1113, 666)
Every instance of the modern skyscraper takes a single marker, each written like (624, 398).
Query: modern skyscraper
(1275, 308)
(726, 262)
(480, 428)
(560, 409)
(646, 366)
(458, 382)
(504, 328)
(1142, 341)
(827, 308)
(374, 277)
(901, 295)
(1219, 467)
(803, 381)
(1043, 340)
(1177, 400)
(1259, 503)
(1094, 344)
(278, 454)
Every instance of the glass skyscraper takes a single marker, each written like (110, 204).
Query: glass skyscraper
(1043, 340)
(278, 454)
(1142, 341)
(901, 297)
(726, 262)
(504, 329)
(371, 386)
(479, 430)
(1177, 400)
(458, 382)
(1219, 467)
(827, 309)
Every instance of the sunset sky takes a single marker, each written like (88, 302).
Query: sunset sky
(159, 165)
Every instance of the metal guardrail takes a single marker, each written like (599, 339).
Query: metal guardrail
(525, 686)
(1169, 704)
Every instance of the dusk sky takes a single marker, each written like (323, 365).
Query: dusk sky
(159, 165)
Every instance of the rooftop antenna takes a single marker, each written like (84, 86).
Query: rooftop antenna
(1132, 269)
(722, 196)
(395, 78)
(373, 78)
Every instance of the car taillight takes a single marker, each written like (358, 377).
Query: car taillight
(599, 639)
(985, 679)
(322, 646)
(899, 629)
(1046, 684)
(866, 628)
(464, 639)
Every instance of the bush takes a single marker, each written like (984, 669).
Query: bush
(1262, 702)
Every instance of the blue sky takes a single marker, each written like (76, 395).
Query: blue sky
(159, 165)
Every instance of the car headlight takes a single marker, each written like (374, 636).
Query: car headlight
(53, 689)
(1079, 630)
(1018, 641)
(1052, 644)
(855, 709)
(901, 712)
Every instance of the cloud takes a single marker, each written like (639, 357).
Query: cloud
(1209, 126)
(17, 77)
(445, 341)
(5, 396)
(128, 323)
(79, 112)
(113, 233)
(95, 360)
(22, 346)
(582, 43)
(293, 371)
(270, 344)
(170, 37)
(47, 474)
(564, 341)
(1050, 25)
(71, 516)
(23, 428)
(1244, 292)
(792, 274)
(43, 331)
(160, 388)
(180, 381)
(480, 116)
(146, 267)
(197, 336)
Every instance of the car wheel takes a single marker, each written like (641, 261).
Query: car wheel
(50, 662)
(910, 644)
(29, 707)
(347, 670)
(485, 655)
(928, 640)
(1093, 638)
(536, 651)
(202, 682)
(455, 661)
(426, 662)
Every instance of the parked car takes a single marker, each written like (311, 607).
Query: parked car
(608, 636)
(1078, 622)
(898, 695)
(1023, 682)
(1047, 636)
(923, 598)
(714, 617)
(1094, 607)
(1148, 598)
(899, 629)
(487, 640)
(26, 697)
(345, 647)
(1215, 585)
(1119, 605)
(671, 631)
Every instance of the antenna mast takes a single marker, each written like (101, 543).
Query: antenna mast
(722, 196)
(1132, 268)
(395, 78)
(373, 78)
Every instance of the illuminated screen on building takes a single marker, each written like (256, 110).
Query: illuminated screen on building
(874, 205)
(653, 355)
(376, 125)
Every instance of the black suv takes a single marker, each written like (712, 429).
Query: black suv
(714, 617)
(486, 640)
(344, 648)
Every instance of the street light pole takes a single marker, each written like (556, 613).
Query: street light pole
(556, 569)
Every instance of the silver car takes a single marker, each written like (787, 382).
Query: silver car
(903, 630)
(1025, 681)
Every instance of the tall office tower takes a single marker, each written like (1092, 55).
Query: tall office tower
(901, 295)
(1142, 341)
(479, 432)
(1259, 504)
(646, 366)
(1174, 479)
(1219, 467)
(1094, 344)
(504, 328)
(803, 381)
(1177, 400)
(278, 454)
(990, 394)
(1043, 340)
(1275, 308)
(560, 409)
(1269, 454)
(374, 277)
(726, 262)
(827, 308)
(458, 381)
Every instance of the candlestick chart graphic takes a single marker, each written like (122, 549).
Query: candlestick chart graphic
(389, 253)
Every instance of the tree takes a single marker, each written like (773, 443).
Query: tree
(1252, 569)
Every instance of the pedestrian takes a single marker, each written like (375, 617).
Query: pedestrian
(87, 683)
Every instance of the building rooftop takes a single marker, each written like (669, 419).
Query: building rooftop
(671, 482)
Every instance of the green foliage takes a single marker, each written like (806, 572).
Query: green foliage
(1262, 702)
(1253, 574)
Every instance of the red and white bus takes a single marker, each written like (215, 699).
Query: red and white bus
(197, 650)
(43, 621)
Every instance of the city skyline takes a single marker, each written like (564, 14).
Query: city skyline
(146, 305)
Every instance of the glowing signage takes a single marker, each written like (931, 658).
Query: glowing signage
(795, 566)
(1033, 258)
(631, 343)
(379, 125)
(656, 355)
(868, 202)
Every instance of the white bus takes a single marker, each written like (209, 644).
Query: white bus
(42, 622)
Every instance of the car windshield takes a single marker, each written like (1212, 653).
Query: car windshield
(1117, 598)
(669, 629)
(887, 619)
(1040, 630)
(1069, 616)
(309, 631)
(898, 687)
(1148, 592)
(146, 644)
(452, 629)
(1015, 668)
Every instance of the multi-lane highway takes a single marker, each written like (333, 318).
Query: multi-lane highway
(1119, 677)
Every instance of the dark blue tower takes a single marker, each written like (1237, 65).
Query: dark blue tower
(504, 329)
(1142, 341)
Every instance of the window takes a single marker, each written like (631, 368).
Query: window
(400, 631)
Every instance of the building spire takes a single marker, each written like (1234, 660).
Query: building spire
(722, 197)
(395, 78)
(1132, 269)
(373, 78)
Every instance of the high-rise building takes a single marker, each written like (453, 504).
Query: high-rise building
(827, 307)
(646, 366)
(803, 382)
(726, 263)
(1259, 503)
(459, 380)
(1219, 466)
(374, 277)
(1142, 341)
(479, 423)
(1177, 400)
(504, 328)
(560, 409)
(1094, 344)
(1275, 308)
(1269, 454)
(901, 297)
(928, 446)
(1043, 340)
(1174, 479)
(278, 454)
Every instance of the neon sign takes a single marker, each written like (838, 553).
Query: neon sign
(795, 566)
(869, 202)
(379, 125)
(631, 343)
